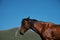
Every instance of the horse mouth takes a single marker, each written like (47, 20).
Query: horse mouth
(21, 33)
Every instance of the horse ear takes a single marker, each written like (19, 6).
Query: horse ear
(28, 17)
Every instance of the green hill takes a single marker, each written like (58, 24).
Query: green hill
(13, 35)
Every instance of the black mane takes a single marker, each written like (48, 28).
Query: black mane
(34, 20)
(29, 19)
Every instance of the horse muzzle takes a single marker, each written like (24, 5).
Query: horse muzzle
(21, 33)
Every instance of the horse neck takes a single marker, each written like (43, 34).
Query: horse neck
(37, 27)
(40, 27)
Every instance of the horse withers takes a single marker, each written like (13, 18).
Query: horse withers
(46, 30)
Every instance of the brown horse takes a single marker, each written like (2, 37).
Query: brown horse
(46, 30)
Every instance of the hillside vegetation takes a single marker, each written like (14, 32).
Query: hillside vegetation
(13, 35)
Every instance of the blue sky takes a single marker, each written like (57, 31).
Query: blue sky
(13, 11)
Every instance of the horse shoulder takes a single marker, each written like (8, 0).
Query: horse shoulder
(55, 32)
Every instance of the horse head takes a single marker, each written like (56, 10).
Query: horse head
(25, 25)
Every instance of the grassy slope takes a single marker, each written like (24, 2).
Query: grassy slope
(10, 35)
